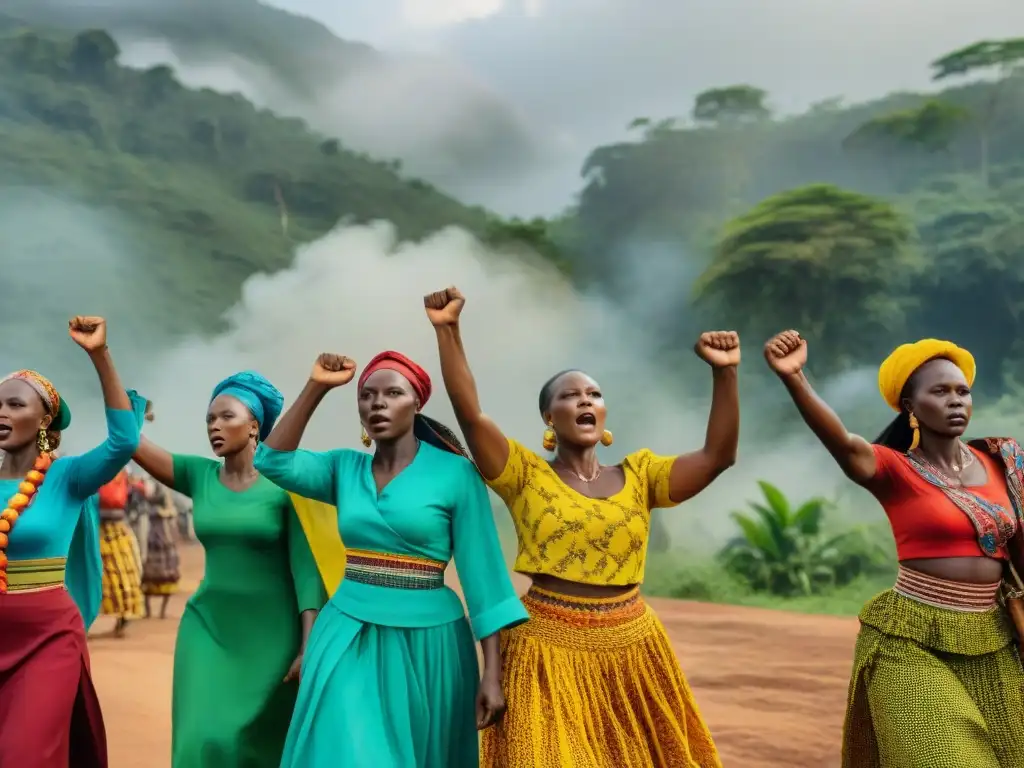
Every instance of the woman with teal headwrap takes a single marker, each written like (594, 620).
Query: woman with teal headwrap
(243, 632)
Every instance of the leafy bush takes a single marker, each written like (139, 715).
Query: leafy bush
(785, 552)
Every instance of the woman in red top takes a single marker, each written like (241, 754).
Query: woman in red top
(937, 681)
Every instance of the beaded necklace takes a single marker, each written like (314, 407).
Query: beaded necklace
(16, 506)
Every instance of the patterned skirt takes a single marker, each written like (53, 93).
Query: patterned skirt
(161, 570)
(934, 688)
(593, 683)
(122, 578)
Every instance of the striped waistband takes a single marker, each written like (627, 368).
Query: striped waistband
(385, 569)
(585, 611)
(953, 595)
(32, 575)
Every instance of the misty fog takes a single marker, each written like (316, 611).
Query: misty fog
(357, 291)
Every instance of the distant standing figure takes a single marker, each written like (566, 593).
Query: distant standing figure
(122, 566)
(161, 569)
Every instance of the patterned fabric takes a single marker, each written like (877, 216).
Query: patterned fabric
(44, 387)
(593, 683)
(25, 575)
(563, 533)
(957, 595)
(994, 523)
(382, 569)
(122, 582)
(161, 568)
(933, 688)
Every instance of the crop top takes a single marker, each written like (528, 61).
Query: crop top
(925, 523)
(565, 534)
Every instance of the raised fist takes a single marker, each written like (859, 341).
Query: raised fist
(444, 307)
(719, 349)
(786, 353)
(90, 333)
(333, 370)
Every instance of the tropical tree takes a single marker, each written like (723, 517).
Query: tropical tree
(92, 54)
(974, 240)
(931, 127)
(731, 105)
(533, 235)
(785, 551)
(819, 258)
(1001, 56)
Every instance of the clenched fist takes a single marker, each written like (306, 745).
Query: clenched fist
(444, 307)
(786, 353)
(90, 333)
(719, 349)
(333, 370)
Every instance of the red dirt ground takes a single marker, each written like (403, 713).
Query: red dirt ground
(771, 685)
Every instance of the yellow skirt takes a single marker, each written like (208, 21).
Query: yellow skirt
(122, 577)
(934, 688)
(593, 683)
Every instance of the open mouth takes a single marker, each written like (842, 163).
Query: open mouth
(375, 421)
(586, 420)
(5, 431)
(216, 442)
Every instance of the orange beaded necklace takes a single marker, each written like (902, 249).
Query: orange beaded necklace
(30, 485)
(16, 505)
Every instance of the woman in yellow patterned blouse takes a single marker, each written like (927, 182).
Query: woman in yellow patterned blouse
(590, 680)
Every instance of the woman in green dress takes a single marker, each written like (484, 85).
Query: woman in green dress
(243, 632)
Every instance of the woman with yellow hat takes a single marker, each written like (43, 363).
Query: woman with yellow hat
(936, 678)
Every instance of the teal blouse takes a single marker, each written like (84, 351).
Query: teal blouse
(63, 519)
(436, 508)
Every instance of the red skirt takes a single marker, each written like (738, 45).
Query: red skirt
(49, 713)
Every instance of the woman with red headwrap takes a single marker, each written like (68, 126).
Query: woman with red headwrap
(390, 676)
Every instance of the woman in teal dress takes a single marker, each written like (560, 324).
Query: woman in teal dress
(390, 678)
(49, 561)
(242, 635)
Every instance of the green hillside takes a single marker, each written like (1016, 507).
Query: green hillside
(203, 179)
(862, 226)
(294, 47)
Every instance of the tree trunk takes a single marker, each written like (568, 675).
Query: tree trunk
(983, 150)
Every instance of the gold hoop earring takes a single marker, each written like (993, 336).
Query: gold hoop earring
(607, 438)
(916, 427)
(365, 438)
(43, 441)
(549, 438)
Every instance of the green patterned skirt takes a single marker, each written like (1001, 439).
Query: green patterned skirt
(934, 688)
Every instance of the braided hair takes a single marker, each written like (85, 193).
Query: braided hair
(437, 434)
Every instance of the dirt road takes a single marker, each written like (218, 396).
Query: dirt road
(771, 685)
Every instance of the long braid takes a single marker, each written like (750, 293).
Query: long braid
(438, 435)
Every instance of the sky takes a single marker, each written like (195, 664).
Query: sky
(581, 70)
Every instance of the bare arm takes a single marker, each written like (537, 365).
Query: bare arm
(786, 354)
(693, 472)
(157, 462)
(287, 434)
(853, 453)
(484, 438)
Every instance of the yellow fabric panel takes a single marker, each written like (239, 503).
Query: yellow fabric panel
(320, 524)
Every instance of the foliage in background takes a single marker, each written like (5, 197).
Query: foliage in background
(862, 226)
(785, 551)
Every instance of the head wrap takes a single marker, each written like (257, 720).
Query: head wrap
(396, 361)
(58, 410)
(264, 401)
(899, 366)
